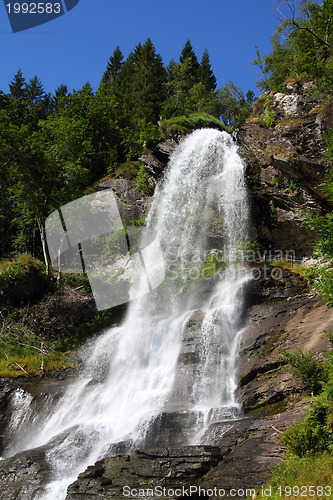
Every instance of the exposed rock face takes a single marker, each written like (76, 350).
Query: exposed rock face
(300, 322)
(250, 448)
(6, 392)
(161, 468)
(24, 475)
(286, 167)
(132, 204)
(157, 157)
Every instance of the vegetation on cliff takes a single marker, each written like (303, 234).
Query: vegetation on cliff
(53, 146)
(302, 47)
(301, 58)
(309, 463)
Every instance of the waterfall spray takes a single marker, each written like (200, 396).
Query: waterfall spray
(130, 371)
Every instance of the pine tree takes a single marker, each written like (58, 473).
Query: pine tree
(189, 59)
(114, 66)
(17, 86)
(206, 74)
(140, 85)
(34, 91)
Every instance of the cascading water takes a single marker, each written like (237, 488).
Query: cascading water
(130, 371)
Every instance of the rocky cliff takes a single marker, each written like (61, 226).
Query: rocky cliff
(286, 165)
(282, 144)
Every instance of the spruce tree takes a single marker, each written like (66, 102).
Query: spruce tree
(60, 98)
(17, 86)
(189, 58)
(34, 91)
(114, 66)
(206, 74)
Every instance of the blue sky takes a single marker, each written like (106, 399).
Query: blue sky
(75, 48)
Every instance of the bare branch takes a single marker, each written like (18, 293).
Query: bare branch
(21, 368)
(305, 28)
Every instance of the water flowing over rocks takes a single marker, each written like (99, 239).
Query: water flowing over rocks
(234, 449)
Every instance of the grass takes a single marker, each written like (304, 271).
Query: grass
(186, 123)
(307, 477)
(129, 169)
(32, 364)
(296, 268)
(39, 330)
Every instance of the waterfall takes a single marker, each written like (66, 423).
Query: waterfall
(130, 372)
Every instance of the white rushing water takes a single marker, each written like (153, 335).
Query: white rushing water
(130, 370)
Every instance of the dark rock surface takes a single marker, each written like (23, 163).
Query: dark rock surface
(160, 468)
(24, 475)
(6, 391)
(250, 447)
(272, 329)
(286, 168)
(132, 204)
(157, 156)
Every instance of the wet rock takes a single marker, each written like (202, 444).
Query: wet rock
(274, 284)
(161, 469)
(157, 156)
(24, 476)
(6, 392)
(250, 448)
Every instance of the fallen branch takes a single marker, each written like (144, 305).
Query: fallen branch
(277, 430)
(21, 368)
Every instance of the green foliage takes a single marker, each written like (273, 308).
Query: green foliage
(234, 107)
(314, 435)
(213, 263)
(22, 279)
(76, 281)
(206, 74)
(325, 285)
(114, 66)
(142, 181)
(310, 442)
(278, 180)
(308, 475)
(291, 188)
(302, 48)
(190, 122)
(269, 111)
(305, 366)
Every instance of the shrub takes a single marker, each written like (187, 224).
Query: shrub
(142, 181)
(22, 280)
(314, 434)
(312, 373)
